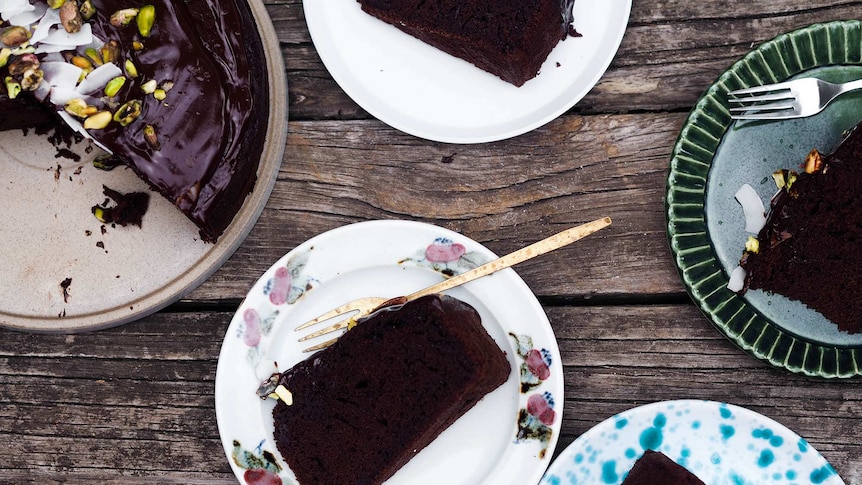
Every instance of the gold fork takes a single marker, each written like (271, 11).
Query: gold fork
(366, 306)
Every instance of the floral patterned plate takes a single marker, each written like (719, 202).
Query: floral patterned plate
(508, 437)
(721, 443)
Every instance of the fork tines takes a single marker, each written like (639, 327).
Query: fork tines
(754, 100)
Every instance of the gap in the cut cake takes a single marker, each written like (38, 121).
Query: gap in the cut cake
(48, 201)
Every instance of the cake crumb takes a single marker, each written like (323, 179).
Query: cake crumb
(64, 285)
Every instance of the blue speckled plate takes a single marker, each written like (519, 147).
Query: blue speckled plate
(714, 156)
(720, 443)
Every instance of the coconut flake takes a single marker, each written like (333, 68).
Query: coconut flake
(77, 126)
(28, 17)
(11, 8)
(62, 74)
(99, 78)
(50, 19)
(60, 40)
(752, 207)
(737, 279)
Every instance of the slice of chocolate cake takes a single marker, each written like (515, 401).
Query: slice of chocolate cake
(809, 248)
(655, 468)
(177, 91)
(365, 406)
(510, 38)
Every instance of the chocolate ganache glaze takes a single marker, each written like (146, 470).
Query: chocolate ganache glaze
(200, 145)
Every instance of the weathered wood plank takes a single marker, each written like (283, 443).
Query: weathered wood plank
(70, 413)
(504, 194)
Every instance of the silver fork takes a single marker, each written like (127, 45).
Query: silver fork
(792, 99)
(365, 306)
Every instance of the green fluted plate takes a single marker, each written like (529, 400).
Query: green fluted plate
(714, 156)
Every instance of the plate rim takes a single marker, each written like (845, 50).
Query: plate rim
(219, 252)
(541, 327)
(702, 274)
(344, 81)
(668, 406)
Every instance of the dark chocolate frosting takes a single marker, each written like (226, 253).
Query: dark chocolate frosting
(211, 126)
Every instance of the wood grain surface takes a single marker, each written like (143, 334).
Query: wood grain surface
(134, 404)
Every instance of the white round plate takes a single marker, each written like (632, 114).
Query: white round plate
(117, 274)
(508, 438)
(721, 443)
(425, 92)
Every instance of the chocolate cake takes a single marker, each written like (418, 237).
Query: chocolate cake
(655, 468)
(508, 38)
(809, 248)
(365, 406)
(175, 90)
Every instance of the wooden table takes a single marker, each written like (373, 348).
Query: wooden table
(134, 404)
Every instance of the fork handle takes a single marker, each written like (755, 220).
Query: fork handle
(850, 86)
(546, 245)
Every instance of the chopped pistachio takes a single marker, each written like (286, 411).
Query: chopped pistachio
(167, 85)
(131, 69)
(55, 4)
(752, 245)
(151, 137)
(813, 161)
(146, 19)
(14, 36)
(87, 9)
(160, 94)
(284, 394)
(149, 87)
(124, 17)
(137, 45)
(110, 51)
(31, 79)
(78, 107)
(98, 121)
(114, 85)
(94, 56)
(70, 17)
(24, 63)
(13, 88)
(82, 62)
(5, 54)
(128, 112)
(100, 214)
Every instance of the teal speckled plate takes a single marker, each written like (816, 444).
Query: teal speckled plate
(721, 443)
(714, 156)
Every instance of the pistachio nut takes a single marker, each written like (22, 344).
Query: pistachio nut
(124, 17)
(114, 85)
(146, 19)
(70, 17)
(100, 214)
(94, 56)
(24, 63)
(78, 107)
(31, 79)
(13, 88)
(813, 161)
(55, 4)
(149, 87)
(752, 245)
(87, 9)
(110, 51)
(82, 62)
(128, 112)
(131, 69)
(98, 121)
(160, 94)
(137, 45)
(151, 137)
(14, 36)
(5, 54)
